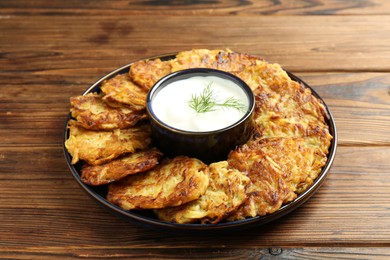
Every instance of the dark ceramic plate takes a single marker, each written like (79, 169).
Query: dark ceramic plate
(146, 219)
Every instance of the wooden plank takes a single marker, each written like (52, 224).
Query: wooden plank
(51, 50)
(307, 43)
(36, 131)
(350, 209)
(35, 108)
(128, 252)
(212, 8)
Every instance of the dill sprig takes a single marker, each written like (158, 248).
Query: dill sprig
(207, 102)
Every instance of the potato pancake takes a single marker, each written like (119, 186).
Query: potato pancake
(147, 72)
(198, 58)
(91, 112)
(234, 62)
(171, 183)
(123, 90)
(121, 167)
(225, 60)
(225, 193)
(98, 147)
(267, 190)
(285, 108)
(299, 161)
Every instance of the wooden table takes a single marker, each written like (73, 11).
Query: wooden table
(52, 50)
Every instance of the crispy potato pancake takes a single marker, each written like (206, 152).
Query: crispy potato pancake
(199, 58)
(267, 190)
(285, 108)
(225, 60)
(225, 193)
(123, 90)
(91, 112)
(121, 167)
(171, 183)
(263, 74)
(316, 135)
(299, 161)
(98, 147)
(236, 63)
(147, 72)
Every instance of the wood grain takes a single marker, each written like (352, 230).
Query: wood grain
(52, 50)
(220, 253)
(344, 43)
(185, 8)
(354, 197)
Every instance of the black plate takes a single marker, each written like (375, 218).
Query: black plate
(146, 219)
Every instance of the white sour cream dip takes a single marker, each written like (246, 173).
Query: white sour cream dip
(171, 104)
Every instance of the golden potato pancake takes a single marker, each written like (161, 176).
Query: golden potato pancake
(299, 161)
(171, 183)
(198, 58)
(267, 190)
(285, 108)
(91, 112)
(316, 135)
(98, 147)
(123, 90)
(225, 60)
(225, 193)
(260, 73)
(236, 63)
(121, 167)
(147, 72)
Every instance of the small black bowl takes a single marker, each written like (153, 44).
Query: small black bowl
(208, 146)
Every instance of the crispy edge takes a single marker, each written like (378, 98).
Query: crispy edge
(225, 193)
(147, 72)
(120, 168)
(82, 144)
(121, 89)
(268, 189)
(91, 112)
(181, 180)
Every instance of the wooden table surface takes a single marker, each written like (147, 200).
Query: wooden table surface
(51, 50)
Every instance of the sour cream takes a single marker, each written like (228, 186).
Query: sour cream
(171, 104)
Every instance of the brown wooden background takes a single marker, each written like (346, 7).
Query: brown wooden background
(51, 50)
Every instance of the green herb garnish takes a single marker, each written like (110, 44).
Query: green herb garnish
(207, 102)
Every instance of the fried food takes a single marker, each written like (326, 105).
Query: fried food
(267, 190)
(98, 147)
(225, 60)
(225, 193)
(121, 89)
(147, 72)
(287, 118)
(198, 58)
(285, 108)
(91, 112)
(299, 161)
(121, 167)
(236, 63)
(171, 183)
